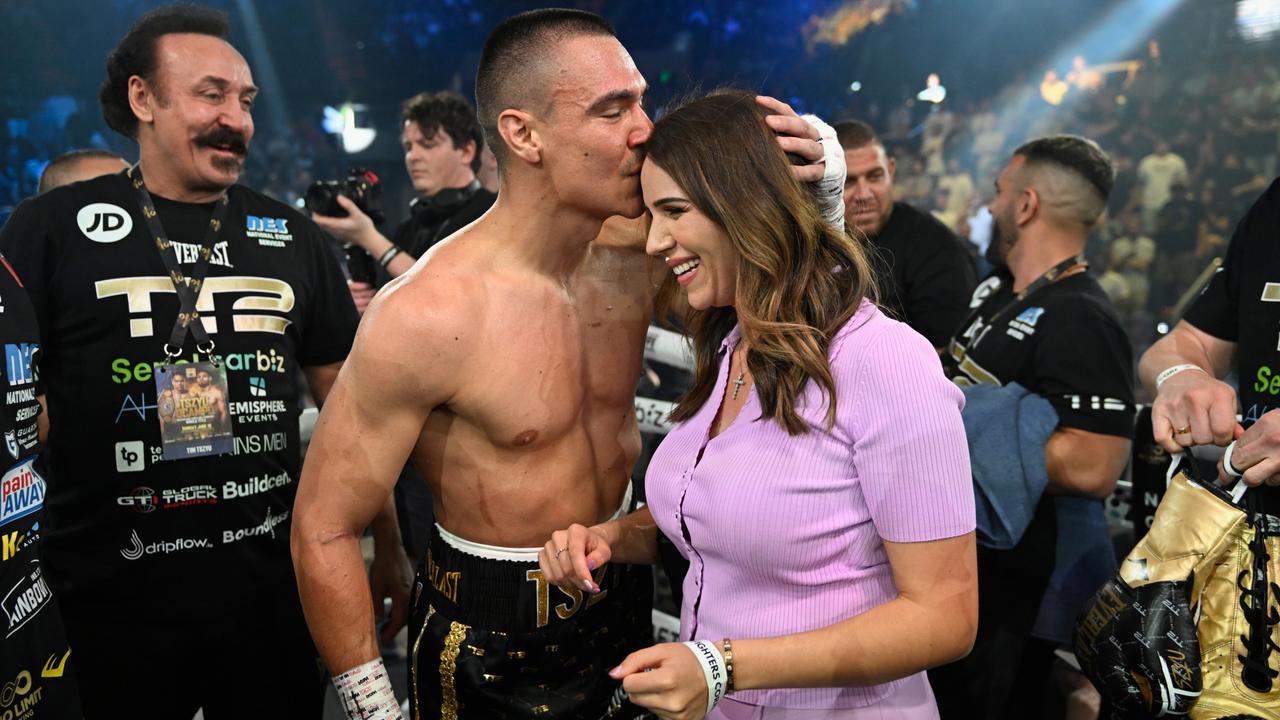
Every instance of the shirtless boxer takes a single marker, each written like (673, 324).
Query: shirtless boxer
(505, 364)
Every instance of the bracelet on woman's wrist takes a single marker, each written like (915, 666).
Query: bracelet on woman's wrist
(728, 666)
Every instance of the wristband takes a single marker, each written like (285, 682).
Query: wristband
(712, 669)
(1226, 462)
(1170, 372)
(366, 694)
(389, 255)
(728, 666)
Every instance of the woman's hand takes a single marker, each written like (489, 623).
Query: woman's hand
(570, 556)
(665, 679)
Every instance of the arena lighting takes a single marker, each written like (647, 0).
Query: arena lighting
(1115, 36)
(848, 19)
(341, 121)
(272, 95)
(1257, 20)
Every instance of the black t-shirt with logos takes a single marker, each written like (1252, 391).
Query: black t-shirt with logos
(35, 667)
(1241, 304)
(125, 527)
(1063, 342)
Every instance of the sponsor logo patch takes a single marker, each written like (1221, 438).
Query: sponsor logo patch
(130, 456)
(269, 232)
(266, 527)
(136, 549)
(145, 500)
(21, 492)
(26, 599)
(18, 363)
(104, 222)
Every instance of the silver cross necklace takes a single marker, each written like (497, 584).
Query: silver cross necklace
(740, 381)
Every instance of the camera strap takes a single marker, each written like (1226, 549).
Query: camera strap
(187, 286)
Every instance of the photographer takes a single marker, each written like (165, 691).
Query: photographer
(442, 144)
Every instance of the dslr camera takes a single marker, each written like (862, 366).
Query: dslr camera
(362, 187)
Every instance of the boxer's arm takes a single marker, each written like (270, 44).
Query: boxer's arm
(392, 379)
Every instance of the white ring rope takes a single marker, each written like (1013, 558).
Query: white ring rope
(668, 348)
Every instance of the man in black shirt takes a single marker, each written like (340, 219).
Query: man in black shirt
(174, 574)
(442, 143)
(1233, 326)
(35, 660)
(929, 273)
(1042, 321)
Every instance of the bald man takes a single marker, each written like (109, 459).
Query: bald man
(78, 165)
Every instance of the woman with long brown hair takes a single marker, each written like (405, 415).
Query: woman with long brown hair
(817, 478)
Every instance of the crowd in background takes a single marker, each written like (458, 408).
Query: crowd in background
(1194, 140)
(1192, 148)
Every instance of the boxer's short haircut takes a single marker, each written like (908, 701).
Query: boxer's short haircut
(512, 55)
(854, 134)
(136, 55)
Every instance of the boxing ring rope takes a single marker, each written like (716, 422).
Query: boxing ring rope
(668, 348)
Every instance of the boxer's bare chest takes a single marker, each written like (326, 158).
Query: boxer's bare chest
(555, 359)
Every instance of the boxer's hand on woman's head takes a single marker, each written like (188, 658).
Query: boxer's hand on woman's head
(815, 141)
(570, 556)
(795, 136)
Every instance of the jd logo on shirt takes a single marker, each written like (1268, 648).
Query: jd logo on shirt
(104, 222)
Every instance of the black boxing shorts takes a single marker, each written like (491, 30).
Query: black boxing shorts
(491, 638)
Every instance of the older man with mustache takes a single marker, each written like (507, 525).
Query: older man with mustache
(170, 551)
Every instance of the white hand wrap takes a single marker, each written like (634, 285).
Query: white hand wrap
(712, 668)
(365, 693)
(830, 189)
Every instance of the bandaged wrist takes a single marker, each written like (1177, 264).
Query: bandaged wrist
(1170, 372)
(365, 692)
(712, 662)
(830, 189)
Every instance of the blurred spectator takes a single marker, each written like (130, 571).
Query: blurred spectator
(1157, 174)
(1053, 89)
(1131, 255)
(76, 165)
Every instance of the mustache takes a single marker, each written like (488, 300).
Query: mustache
(221, 136)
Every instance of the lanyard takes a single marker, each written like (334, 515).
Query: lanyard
(1051, 276)
(187, 286)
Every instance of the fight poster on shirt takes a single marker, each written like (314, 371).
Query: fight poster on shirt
(192, 405)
